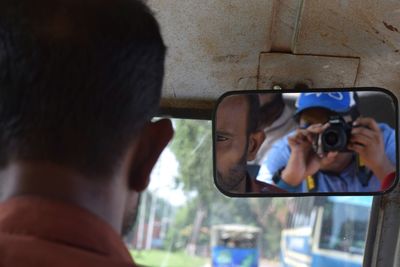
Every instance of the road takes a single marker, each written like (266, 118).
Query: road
(263, 263)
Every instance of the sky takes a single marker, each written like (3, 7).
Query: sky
(162, 179)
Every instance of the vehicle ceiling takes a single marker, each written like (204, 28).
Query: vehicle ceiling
(220, 45)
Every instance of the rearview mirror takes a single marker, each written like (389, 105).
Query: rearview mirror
(313, 142)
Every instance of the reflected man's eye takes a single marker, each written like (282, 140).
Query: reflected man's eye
(221, 138)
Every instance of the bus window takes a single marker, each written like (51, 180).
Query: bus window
(344, 225)
(232, 245)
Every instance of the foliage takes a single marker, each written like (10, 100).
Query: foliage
(177, 236)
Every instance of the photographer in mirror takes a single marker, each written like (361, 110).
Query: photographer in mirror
(333, 150)
(238, 139)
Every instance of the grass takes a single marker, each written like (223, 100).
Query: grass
(160, 258)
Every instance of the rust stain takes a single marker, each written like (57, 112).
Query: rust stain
(390, 27)
(375, 30)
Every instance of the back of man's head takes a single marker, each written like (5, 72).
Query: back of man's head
(78, 78)
(253, 113)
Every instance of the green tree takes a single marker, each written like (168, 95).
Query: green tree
(192, 146)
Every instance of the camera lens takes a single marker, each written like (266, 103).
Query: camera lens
(331, 139)
(335, 137)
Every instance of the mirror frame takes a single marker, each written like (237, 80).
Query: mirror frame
(283, 91)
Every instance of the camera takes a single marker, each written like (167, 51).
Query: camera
(336, 136)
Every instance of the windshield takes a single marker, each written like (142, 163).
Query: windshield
(185, 221)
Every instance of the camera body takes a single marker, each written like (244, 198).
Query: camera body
(336, 137)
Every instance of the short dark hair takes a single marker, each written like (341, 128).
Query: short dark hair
(253, 115)
(78, 79)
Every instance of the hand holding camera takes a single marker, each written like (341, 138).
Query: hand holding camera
(304, 160)
(366, 139)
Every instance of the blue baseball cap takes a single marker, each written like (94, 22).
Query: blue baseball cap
(339, 102)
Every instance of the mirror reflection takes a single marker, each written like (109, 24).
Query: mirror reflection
(309, 142)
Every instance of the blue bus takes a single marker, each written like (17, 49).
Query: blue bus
(329, 231)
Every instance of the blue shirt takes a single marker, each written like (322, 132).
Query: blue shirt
(347, 181)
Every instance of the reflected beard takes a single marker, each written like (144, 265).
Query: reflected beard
(236, 175)
(130, 219)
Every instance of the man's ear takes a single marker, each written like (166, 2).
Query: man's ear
(151, 141)
(255, 141)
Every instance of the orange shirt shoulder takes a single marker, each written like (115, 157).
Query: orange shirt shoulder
(40, 232)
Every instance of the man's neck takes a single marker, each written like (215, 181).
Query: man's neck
(240, 187)
(53, 181)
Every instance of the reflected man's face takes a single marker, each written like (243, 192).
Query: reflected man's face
(231, 141)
